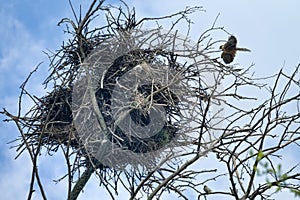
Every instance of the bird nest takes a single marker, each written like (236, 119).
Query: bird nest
(56, 116)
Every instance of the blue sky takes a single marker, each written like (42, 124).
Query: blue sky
(269, 28)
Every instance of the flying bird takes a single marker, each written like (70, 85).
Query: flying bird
(229, 49)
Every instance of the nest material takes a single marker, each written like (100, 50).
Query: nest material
(56, 114)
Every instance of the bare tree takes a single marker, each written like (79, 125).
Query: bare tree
(147, 134)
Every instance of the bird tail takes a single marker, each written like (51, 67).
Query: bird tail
(242, 49)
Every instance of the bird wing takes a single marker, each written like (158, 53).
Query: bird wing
(230, 45)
